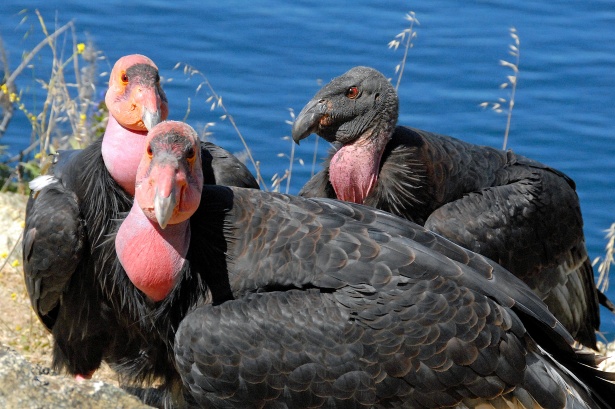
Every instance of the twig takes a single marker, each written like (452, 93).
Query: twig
(10, 81)
(7, 105)
(21, 154)
(512, 81)
(314, 157)
(34, 51)
(514, 51)
(191, 71)
(290, 167)
(406, 37)
(11, 252)
(292, 151)
(609, 259)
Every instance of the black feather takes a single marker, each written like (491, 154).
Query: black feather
(78, 287)
(447, 327)
(520, 213)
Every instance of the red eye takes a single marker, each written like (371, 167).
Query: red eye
(124, 78)
(149, 151)
(352, 92)
(191, 154)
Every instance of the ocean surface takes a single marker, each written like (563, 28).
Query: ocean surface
(265, 58)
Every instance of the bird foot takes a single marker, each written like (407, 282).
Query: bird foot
(83, 377)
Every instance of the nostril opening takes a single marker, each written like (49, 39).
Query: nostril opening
(180, 179)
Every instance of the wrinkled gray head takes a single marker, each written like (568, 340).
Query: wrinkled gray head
(348, 106)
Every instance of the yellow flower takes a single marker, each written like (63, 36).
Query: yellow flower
(38, 156)
(80, 48)
(17, 327)
(13, 296)
(82, 117)
(4, 254)
(15, 263)
(13, 97)
(4, 88)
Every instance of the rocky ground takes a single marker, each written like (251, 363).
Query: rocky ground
(26, 385)
(25, 352)
(25, 346)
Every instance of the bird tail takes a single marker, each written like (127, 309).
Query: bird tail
(605, 302)
(594, 386)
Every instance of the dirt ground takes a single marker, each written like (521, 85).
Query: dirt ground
(20, 328)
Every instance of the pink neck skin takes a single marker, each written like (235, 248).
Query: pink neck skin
(152, 258)
(354, 168)
(122, 150)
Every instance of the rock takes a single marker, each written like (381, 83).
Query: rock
(23, 385)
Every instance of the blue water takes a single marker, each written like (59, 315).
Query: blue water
(264, 57)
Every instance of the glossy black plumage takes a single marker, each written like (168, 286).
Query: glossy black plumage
(75, 282)
(326, 303)
(522, 214)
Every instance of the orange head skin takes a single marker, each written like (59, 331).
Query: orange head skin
(136, 103)
(135, 98)
(170, 176)
(154, 238)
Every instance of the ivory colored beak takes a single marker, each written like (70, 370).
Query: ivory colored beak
(163, 207)
(150, 119)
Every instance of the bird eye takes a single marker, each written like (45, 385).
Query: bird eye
(191, 153)
(352, 92)
(149, 151)
(124, 78)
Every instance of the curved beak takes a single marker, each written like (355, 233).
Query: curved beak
(164, 206)
(149, 118)
(152, 101)
(308, 119)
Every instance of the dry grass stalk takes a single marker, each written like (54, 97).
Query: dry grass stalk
(19, 327)
(511, 83)
(62, 122)
(216, 102)
(277, 180)
(405, 38)
(65, 120)
(604, 267)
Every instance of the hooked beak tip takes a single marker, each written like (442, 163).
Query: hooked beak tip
(163, 208)
(307, 120)
(151, 119)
